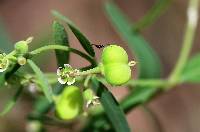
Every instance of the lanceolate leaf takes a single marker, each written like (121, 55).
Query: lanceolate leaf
(191, 72)
(10, 104)
(60, 38)
(43, 82)
(111, 107)
(138, 96)
(42, 105)
(148, 62)
(2, 79)
(82, 39)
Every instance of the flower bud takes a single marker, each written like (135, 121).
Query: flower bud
(21, 60)
(88, 94)
(91, 99)
(21, 47)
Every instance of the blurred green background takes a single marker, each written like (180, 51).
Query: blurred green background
(177, 110)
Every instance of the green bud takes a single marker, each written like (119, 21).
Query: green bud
(21, 47)
(88, 94)
(69, 103)
(21, 60)
(34, 126)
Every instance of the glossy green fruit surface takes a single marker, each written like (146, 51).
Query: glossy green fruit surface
(117, 74)
(70, 103)
(114, 65)
(114, 54)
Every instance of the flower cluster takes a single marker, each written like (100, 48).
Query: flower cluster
(4, 62)
(67, 74)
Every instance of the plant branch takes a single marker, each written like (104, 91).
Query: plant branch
(94, 70)
(148, 82)
(152, 15)
(65, 48)
(192, 20)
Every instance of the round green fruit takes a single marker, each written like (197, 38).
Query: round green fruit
(117, 73)
(69, 103)
(114, 65)
(113, 54)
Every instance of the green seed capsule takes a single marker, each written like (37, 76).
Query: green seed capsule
(115, 65)
(114, 53)
(70, 103)
(117, 73)
(21, 47)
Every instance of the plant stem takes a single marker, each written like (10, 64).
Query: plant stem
(90, 71)
(147, 82)
(65, 48)
(192, 19)
(86, 81)
(160, 83)
(152, 15)
(11, 53)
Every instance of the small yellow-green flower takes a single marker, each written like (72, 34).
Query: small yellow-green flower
(91, 99)
(66, 74)
(4, 62)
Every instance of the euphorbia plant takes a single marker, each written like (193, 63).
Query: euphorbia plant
(80, 94)
(75, 95)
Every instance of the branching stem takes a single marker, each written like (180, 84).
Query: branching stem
(65, 48)
(192, 20)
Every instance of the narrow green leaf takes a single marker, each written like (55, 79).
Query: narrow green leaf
(111, 107)
(2, 79)
(61, 38)
(152, 15)
(191, 72)
(42, 105)
(82, 39)
(46, 88)
(139, 95)
(148, 61)
(10, 104)
(149, 64)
